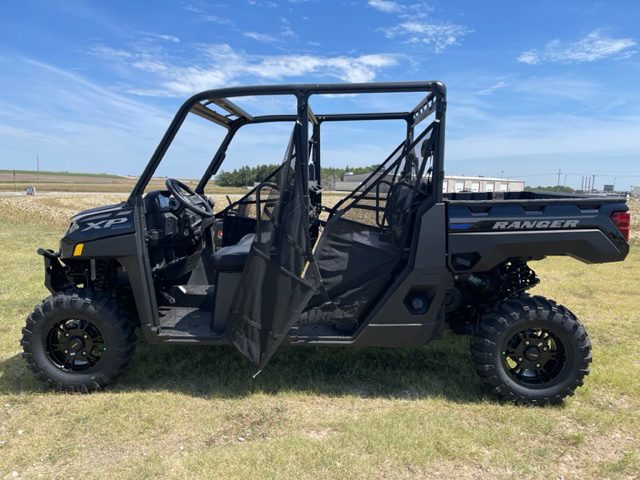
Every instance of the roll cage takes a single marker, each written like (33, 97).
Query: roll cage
(217, 106)
(299, 272)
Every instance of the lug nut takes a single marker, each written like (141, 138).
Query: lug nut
(66, 351)
(537, 365)
(527, 342)
(66, 335)
(84, 354)
(85, 336)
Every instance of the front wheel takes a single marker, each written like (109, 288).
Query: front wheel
(77, 341)
(531, 351)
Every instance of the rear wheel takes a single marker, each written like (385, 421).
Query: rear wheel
(532, 351)
(77, 341)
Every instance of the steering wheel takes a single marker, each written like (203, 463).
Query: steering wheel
(177, 189)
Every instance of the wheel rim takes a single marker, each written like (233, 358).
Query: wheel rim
(535, 357)
(74, 345)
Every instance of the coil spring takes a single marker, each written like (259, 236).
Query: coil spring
(102, 275)
(519, 277)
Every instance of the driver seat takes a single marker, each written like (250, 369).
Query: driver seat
(233, 257)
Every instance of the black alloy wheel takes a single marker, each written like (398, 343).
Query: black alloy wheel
(534, 357)
(74, 345)
(77, 341)
(531, 350)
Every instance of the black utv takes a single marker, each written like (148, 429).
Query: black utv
(394, 263)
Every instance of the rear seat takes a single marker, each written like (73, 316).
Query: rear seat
(233, 257)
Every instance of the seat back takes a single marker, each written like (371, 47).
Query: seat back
(233, 257)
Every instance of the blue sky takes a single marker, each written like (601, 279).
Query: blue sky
(534, 87)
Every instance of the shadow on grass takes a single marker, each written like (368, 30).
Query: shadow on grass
(440, 369)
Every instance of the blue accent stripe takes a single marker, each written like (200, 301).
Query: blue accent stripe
(459, 226)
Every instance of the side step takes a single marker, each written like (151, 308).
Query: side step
(187, 325)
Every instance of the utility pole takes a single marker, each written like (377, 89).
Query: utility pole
(15, 187)
(559, 173)
(593, 183)
(37, 169)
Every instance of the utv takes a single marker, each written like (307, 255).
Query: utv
(394, 263)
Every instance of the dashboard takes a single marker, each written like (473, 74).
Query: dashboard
(175, 235)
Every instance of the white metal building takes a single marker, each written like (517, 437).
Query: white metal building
(462, 183)
(451, 183)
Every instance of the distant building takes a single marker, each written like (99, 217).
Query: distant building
(451, 183)
(635, 190)
(462, 183)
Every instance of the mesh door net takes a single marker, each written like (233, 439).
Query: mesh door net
(365, 240)
(272, 291)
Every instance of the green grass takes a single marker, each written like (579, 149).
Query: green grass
(195, 412)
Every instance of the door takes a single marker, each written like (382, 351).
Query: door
(272, 292)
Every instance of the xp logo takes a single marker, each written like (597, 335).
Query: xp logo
(539, 224)
(113, 222)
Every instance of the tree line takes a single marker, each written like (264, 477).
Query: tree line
(247, 176)
(554, 188)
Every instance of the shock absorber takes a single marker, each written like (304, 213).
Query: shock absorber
(99, 274)
(519, 277)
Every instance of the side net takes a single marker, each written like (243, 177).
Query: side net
(273, 290)
(361, 248)
(364, 242)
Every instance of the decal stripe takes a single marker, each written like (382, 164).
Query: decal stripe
(459, 226)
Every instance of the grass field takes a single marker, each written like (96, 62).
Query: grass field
(195, 412)
(84, 182)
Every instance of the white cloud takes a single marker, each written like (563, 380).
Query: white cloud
(417, 27)
(206, 16)
(594, 46)
(386, 6)
(285, 32)
(109, 52)
(158, 36)
(169, 38)
(351, 69)
(149, 65)
(531, 57)
(262, 4)
(439, 35)
(285, 28)
(261, 37)
(221, 65)
(491, 88)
